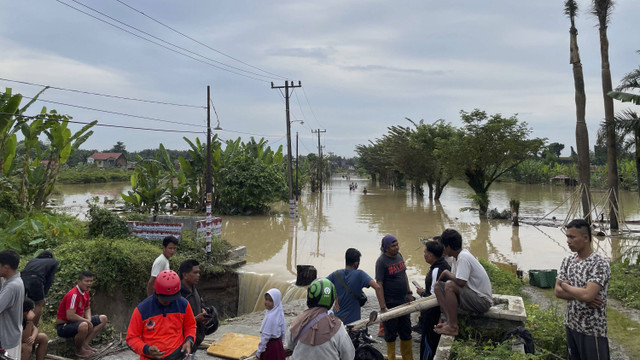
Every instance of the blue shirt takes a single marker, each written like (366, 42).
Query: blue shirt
(356, 280)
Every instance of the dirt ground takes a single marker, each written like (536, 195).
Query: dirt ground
(250, 324)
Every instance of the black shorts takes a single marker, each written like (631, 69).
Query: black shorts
(33, 288)
(70, 328)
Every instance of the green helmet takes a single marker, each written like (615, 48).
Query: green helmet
(321, 292)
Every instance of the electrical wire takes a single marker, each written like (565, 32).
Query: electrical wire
(105, 95)
(106, 125)
(198, 42)
(166, 42)
(310, 108)
(156, 43)
(112, 112)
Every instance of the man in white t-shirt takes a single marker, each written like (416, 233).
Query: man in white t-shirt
(469, 289)
(169, 248)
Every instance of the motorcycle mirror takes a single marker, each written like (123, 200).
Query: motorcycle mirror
(373, 316)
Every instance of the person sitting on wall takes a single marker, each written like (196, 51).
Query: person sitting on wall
(469, 288)
(32, 339)
(162, 326)
(74, 318)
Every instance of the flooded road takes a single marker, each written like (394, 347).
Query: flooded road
(337, 219)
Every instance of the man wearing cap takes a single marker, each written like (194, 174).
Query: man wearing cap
(391, 275)
(316, 334)
(162, 326)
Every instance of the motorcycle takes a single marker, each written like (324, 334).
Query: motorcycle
(362, 340)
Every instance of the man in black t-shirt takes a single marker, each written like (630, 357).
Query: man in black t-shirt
(391, 275)
(37, 277)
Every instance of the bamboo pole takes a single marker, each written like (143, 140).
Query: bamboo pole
(404, 309)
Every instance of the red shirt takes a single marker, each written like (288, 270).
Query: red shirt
(74, 299)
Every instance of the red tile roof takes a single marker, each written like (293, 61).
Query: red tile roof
(105, 156)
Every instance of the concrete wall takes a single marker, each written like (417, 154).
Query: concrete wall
(219, 290)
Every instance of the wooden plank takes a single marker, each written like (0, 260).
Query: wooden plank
(234, 346)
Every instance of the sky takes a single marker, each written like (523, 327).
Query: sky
(363, 66)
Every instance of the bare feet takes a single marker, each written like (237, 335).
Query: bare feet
(84, 354)
(447, 330)
(89, 348)
(439, 325)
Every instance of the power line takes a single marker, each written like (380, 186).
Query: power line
(107, 125)
(198, 42)
(166, 47)
(310, 108)
(113, 112)
(105, 95)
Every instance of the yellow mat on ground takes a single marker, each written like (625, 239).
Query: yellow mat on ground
(234, 346)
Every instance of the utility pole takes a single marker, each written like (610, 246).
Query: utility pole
(289, 85)
(297, 190)
(209, 187)
(319, 157)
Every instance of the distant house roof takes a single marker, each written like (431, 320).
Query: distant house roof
(105, 156)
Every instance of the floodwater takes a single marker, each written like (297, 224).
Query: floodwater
(338, 219)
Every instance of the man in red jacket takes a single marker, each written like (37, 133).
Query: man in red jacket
(162, 326)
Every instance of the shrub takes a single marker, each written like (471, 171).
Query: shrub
(502, 281)
(547, 329)
(103, 222)
(624, 284)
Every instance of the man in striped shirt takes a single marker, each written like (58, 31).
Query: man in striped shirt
(74, 317)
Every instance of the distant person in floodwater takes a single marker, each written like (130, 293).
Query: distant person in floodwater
(349, 283)
(316, 334)
(273, 329)
(365, 190)
(38, 277)
(169, 248)
(583, 280)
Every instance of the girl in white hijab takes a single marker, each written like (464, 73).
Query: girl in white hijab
(272, 332)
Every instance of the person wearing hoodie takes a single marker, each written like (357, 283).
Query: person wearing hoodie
(316, 334)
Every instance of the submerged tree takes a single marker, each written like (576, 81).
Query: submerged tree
(489, 147)
(582, 134)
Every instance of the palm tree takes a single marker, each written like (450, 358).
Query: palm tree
(628, 122)
(631, 81)
(602, 9)
(582, 134)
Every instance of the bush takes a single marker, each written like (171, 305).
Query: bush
(103, 222)
(38, 230)
(471, 350)
(624, 284)
(547, 329)
(502, 281)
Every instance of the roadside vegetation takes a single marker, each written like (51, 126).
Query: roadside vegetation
(545, 325)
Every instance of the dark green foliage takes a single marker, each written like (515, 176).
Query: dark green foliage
(85, 174)
(502, 281)
(37, 230)
(248, 185)
(103, 222)
(489, 350)
(546, 327)
(624, 284)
